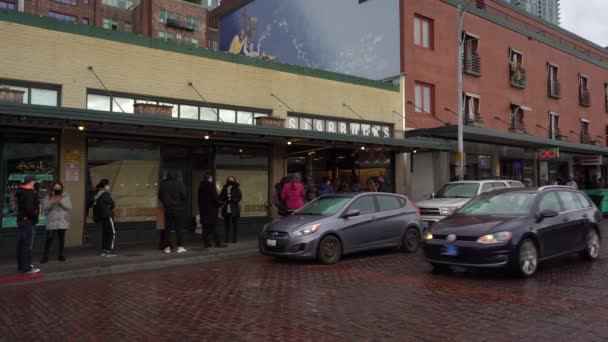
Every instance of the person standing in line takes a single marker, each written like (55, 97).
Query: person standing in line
(208, 205)
(325, 187)
(57, 207)
(572, 183)
(103, 212)
(371, 185)
(172, 194)
(231, 210)
(27, 218)
(276, 197)
(293, 194)
(382, 185)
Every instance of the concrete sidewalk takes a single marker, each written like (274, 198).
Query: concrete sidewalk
(86, 262)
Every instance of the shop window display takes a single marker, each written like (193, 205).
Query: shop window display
(133, 171)
(22, 157)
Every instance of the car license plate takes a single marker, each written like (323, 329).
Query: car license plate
(450, 250)
(271, 243)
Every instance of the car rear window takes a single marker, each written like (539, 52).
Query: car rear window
(387, 202)
(584, 200)
(570, 201)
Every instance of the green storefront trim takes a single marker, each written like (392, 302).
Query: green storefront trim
(153, 43)
(84, 116)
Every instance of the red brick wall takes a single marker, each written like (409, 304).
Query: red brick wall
(439, 67)
(183, 9)
(42, 8)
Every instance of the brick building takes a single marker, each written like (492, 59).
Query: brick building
(528, 85)
(184, 22)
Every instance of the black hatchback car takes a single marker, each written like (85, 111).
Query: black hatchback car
(515, 229)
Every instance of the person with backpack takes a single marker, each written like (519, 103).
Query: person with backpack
(231, 210)
(27, 218)
(293, 194)
(57, 207)
(103, 212)
(172, 194)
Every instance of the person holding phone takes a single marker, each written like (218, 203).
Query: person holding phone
(57, 206)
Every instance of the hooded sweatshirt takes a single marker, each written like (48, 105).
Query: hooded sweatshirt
(172, 192)
(103, 206)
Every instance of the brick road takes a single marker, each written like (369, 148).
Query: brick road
(378, 296)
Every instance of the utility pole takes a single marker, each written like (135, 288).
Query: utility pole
(460, 158)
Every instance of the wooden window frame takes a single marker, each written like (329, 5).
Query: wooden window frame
(419, 108)
(422, 19)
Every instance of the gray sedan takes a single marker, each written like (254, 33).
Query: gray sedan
(339, 224)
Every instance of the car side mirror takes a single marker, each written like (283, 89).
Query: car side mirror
(546, 214)
(351, 213)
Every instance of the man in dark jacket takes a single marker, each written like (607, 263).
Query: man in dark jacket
(208, 205)
(28, 209)
(172, 194)
(103, 212)
(230, 198)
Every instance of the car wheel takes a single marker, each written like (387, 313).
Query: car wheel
(330, 250)
(592, 249)
(527, 258)
(411, 240)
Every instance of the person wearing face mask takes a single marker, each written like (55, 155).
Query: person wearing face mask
(103, 212)
(231, 210)
(57, 206)
(208, 205)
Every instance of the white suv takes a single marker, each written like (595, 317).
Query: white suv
(454, 195)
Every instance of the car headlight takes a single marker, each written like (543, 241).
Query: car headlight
(495, 238)
(428, 236)
(307, 230)
(446, 211)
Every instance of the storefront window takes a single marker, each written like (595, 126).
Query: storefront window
(250, 167)
(20, 158)
(133, 171)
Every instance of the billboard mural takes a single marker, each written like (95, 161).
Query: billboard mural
(354, 37)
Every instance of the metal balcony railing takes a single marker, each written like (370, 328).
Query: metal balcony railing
(586, 139)
(471, 64)
(555, 89)
(518, 77)
(519, 128)
(182, 23)
(585, 98)
(556, 135)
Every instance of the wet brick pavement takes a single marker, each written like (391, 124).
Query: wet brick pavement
(378, 296)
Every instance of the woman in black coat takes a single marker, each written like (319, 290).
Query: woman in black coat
(208, 205)
(231, 210)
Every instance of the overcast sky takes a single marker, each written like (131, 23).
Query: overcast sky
(587, 18)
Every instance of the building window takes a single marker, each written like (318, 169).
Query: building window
(215, 45)
(110, 24)
(471, 108)
(164, 15)
(68, 2)
(423, 32)
(85, 2)
(425, 94)
(166, 36)
(122, 4)
(585, 136)
(188, 112)
(36, 95)
(7, 5)
(583, 91)
(517, 73)
(554, 132)
(85, 21)
(517, 119)
(471, 58)
(227, 115)
(191, 41)
(128, 27)
(208, 114)
(555, 88)
(250, 167)
(62, 17)
(133, 169)
(192, 23)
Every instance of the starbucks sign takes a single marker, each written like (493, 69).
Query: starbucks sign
(339, 126)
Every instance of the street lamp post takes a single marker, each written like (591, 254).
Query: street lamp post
(460, 159)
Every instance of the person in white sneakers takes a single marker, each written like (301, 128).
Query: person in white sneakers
(173, 196)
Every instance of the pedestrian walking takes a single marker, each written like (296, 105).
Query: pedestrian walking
(103, 212)
(172, 194)
(325, 187)
(57, 207)
(231, 209)
(27, 217)
(572, 183)
(208, 206)
(293, 194)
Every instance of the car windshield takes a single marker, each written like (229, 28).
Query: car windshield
(324, 206)
(458, 190)
(508, 203)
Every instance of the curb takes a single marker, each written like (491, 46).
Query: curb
(136, 267)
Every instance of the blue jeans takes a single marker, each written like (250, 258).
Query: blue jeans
(24, 246)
